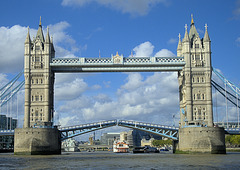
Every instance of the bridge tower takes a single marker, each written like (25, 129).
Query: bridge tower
(37, 135)
(38, 80)
(196, 131)
(195, 79)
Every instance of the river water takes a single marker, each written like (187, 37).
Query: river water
(109, 160)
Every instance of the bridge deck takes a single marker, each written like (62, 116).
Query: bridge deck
(120, 64)
(6, 132)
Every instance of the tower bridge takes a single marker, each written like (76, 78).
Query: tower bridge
(193, 63)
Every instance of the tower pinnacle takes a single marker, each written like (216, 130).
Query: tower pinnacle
(192, 22)
(40, 22)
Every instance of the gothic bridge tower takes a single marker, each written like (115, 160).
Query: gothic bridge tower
(195, 79)
(39, 80)
(37, 135)
(196, 131)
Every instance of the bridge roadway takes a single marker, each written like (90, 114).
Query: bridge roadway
(117, 64)
(161, 130)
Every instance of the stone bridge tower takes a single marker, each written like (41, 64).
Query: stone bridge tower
(196, 131)
(37, 135)
(195, 79)
(38, 80)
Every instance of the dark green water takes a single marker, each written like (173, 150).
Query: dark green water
(109, 160)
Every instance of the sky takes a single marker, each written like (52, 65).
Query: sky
(93, 28)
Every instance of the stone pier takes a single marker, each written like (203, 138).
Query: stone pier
(201, 140)
(37, 141)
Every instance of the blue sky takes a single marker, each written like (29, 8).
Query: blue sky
(83, 28)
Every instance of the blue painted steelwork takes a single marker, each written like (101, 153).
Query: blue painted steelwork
(117, 64)
(228, 95)
(6, 132)
(232, 131)
(72, 131)
(227, 82)
(165, 131)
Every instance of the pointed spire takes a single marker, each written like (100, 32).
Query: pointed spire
(186, 37)
(193, 31)
(206, 36)
(179, 42)
(28, 39)
(192, 22)
(40, 32)
(40, 22)
(47, 36)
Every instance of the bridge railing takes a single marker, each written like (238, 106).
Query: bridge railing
(126, 60)
(6, 132)
(147, 124)
(88, 125)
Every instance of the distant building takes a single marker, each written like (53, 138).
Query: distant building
(135, 137)
(132, 137)
(145, 142)
(7, 123)
(108, 138)
(70, 145)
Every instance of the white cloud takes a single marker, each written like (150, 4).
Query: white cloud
(238, 40)
(133, 7)
(3, 80)
(12, 45)
(143, 50)
(164, 53)
(172, 41)
(146, 50)
(145, 100)
(236, 11)
(12, 48)
(70, 90)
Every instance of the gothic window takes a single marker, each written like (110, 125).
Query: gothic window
(202, 79)
(32, 98)
(37, 81)
(37, 47)
(196, 45)
(198, 96)
(41, 98)
(32, 81)
(41, 81)
(37, 59)
(203, 97)
(194, 97)
(197, 57)
(37, 98)
(198, 79)
(193, 79)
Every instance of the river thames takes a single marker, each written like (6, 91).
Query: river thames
(109, 160)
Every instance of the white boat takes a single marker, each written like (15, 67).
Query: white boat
(120, 147)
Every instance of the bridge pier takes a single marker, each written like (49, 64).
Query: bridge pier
(37, 141)
(202, 140)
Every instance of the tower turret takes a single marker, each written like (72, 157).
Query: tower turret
(179, 48)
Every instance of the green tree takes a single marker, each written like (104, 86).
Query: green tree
(159, 143)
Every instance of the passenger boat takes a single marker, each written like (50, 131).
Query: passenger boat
(120, 147)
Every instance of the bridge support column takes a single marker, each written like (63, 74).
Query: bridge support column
(37, 141)
(201, 139)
